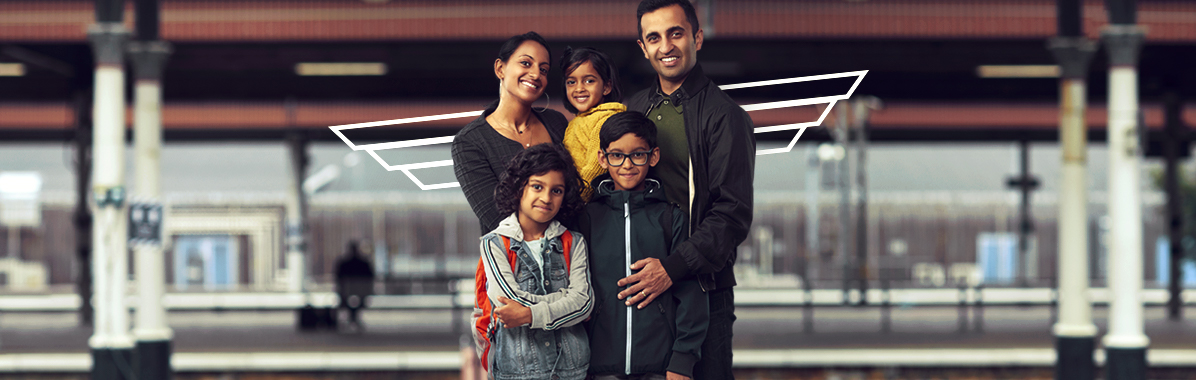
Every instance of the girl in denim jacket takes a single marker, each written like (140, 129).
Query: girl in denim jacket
(539, 292)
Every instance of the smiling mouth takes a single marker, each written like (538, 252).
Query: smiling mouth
(530, 84)
(581, 99)
(669, 60)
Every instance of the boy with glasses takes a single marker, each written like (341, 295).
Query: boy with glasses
(630, 219)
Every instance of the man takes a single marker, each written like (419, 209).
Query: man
(708, 156)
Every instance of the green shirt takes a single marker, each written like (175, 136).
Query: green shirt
(673, 169)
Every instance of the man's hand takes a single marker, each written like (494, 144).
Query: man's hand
(675, 376)
(645, 286)
(512, 314)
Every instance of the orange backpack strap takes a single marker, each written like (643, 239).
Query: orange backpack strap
(567, 242)
(485, 329)
(481, 324)
(511, 257)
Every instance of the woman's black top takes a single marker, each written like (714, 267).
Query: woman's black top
(481, 154)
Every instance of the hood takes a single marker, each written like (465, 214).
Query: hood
(605, 193)
(509, 227)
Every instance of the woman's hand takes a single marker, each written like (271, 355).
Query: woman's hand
(512, 314)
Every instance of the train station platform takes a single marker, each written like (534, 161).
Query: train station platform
(768, 337)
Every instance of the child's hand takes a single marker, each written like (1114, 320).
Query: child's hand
(512, 314)
(675, 376)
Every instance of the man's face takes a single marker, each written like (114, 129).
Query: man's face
(669, 43)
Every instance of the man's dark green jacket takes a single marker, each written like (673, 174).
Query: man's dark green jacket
(722, 161)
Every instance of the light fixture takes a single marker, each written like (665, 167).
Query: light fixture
(1018, 71)
(340, 68)
(12, 69)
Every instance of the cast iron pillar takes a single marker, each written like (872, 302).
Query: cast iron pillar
(153, 334)
(111, 344)
(1126, 342)
(1074, 332)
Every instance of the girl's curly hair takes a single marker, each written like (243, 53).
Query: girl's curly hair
(538, 160)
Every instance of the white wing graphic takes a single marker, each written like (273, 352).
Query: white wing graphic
(446, 140)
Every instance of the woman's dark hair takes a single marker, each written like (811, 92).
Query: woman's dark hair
(538, 160)
(575, 57)
(508, 48)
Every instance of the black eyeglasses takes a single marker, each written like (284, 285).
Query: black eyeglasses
(639, 158)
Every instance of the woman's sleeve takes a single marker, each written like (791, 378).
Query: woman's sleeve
(477, 181)
(575, 301)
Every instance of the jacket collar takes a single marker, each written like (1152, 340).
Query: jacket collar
(509, 227)
(605, 193)
(694, 83)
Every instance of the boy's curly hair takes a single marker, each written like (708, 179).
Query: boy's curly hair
(538, 160)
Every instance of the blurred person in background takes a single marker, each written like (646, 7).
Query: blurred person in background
(707, 165)
(592, 94)
(483, 149)
(354, 281)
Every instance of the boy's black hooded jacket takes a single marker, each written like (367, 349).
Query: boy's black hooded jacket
(624, 227)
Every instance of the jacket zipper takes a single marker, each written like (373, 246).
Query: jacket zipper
(627, 247)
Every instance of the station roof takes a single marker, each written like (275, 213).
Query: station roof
(232, 73)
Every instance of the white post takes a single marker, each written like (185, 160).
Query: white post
(813, 184)
(296, 212)
(111, 343)
(1126, 342)
(1074, 332)
(152, 332)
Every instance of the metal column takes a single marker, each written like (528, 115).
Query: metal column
(1024, 183)
(861, 110)
(296, 209)
(1175, 146)
(111, 344)
(1074, 333)
(148, 55)
(81, 217)
(1125, 344)
(843, 179)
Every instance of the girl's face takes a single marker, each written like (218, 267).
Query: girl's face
(525, 73)
(585, 88)
(542, 198)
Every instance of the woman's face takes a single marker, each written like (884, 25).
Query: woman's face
(525, 73)
(585, 88)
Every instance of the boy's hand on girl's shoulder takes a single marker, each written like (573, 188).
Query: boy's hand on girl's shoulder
(512, 314)
(676, 376)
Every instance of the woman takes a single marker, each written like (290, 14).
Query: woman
(483, 149)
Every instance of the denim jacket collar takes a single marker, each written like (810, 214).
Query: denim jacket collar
(509, 227)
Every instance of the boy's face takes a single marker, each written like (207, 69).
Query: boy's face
(542, 197)
(632, 150)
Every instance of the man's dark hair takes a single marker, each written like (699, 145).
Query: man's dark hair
(539, 160)
(575, 57)
(626, 122)
(508, 48)
(648, 6)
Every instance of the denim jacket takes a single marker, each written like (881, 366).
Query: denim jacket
(554, 346)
